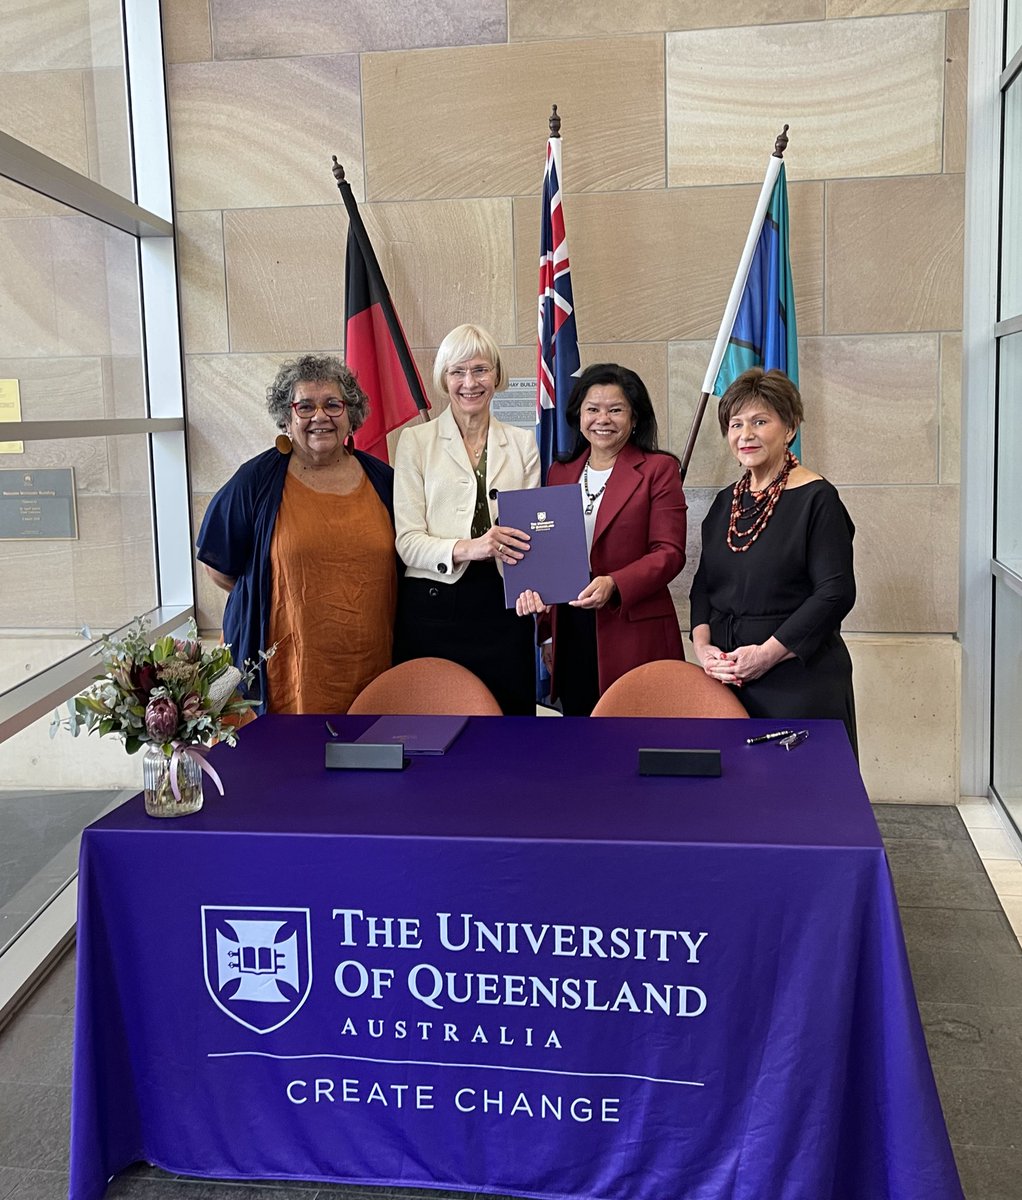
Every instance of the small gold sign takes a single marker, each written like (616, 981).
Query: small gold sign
(10, 410)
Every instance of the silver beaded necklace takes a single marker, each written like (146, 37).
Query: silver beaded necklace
(589, 495)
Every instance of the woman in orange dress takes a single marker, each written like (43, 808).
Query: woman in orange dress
(302, 539)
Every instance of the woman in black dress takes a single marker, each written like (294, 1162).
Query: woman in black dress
(775, 578)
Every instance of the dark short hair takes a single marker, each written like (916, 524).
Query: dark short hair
(773, 388)
(644, 435)
(315, 368)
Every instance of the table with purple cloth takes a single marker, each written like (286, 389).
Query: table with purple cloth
(519, 967)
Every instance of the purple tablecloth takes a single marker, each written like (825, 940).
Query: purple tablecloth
(519, 967)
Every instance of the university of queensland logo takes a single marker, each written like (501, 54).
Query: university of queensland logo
(257, 963)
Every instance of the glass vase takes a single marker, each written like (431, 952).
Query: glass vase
(160, 800)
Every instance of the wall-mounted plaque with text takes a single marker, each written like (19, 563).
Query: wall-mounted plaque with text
(516, 404)
(38, 505)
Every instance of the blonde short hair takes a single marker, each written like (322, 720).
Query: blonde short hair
(462, 343)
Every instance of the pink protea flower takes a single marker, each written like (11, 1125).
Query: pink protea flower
(188, 650)
(161, 718)
(191, 707)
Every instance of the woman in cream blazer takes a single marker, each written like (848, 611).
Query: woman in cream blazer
(448, 474)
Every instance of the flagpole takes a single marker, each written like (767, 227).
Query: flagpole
(373, 266)
(727, 323)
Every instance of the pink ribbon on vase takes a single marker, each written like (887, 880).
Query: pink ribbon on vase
(197, 754)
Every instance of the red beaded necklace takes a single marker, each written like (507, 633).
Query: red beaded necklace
(760, 508)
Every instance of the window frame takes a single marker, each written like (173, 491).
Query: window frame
(149, 222)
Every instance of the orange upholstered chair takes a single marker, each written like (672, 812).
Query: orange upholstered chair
(668, 688)
(427, 685)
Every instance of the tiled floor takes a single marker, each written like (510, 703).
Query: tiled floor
(1000, 856)
(966, 963)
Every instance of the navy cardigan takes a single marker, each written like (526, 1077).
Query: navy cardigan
(235, 539)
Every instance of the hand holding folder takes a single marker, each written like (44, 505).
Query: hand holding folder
(556, 568)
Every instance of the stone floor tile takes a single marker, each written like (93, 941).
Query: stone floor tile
(1013, 911)
(980, 931)
(974, 1036)
(35, 1126)
(981, 1107)
(977, 812)
(993, 844)
(40, 1185)
(990, 1172)
(41, 1053)
(957, 977)
(10, 1177)
(929, 822)
(55, 996)
(1006, 877)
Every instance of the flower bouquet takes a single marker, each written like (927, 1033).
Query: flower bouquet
(171, 696)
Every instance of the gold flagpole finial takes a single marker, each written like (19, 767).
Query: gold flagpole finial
(554, 121)
(781, 143)
(338, 170)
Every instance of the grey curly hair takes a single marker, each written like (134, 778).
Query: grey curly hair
(315, 368)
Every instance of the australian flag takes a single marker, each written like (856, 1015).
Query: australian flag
(558, 360)
(764, 333)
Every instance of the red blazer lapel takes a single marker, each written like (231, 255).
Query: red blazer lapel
(570, 472)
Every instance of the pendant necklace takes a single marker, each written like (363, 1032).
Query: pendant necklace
(589, 495)
(475, 453)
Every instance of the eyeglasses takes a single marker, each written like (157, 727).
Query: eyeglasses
(306, 409)
(460, 374)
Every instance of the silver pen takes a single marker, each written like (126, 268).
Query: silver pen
(769, 737)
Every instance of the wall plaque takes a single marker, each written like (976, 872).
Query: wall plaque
(38, 505)
(516, 404)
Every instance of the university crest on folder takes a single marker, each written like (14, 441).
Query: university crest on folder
(257, 963)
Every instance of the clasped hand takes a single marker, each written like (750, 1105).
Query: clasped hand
(736, 666)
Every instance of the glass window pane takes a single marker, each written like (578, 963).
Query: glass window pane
(1013, 37)
(51, 789)
(1008, 528)
(72, 334)
(51, 786)
(1007, 690)
(1011, 204)
(52, 589)
(62, 86)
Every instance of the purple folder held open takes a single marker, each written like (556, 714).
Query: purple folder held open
(418, 734)
(557, 562)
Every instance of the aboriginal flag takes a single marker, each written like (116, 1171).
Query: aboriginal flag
(375, 347)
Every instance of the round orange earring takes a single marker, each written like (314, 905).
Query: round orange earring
(283, 443)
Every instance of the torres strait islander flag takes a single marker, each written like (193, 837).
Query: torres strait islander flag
(764, 333)
(558, 360)
(375, 347)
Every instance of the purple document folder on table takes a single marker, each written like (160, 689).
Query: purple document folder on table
(418, 734)
(557, 563)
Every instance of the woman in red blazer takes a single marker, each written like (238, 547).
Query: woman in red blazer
(634, 510)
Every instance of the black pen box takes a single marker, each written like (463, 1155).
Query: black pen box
(365, 756)
(679, 762)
